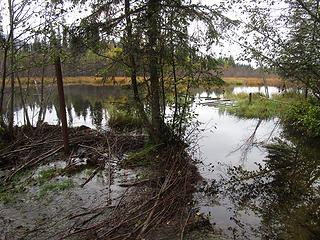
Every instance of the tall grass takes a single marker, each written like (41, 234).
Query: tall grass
(252, 81)
(122, 81)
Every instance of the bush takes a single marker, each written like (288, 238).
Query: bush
(305, 118)
(124, 119)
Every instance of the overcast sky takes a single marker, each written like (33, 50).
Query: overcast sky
(225, 48)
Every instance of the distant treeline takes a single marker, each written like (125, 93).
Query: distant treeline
(237, 70)
(87, 63)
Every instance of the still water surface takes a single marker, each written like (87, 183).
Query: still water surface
(226, 141)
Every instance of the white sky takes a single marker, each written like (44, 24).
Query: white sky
(227, 49)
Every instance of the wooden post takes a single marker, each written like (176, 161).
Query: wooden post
(306, 90)
(250, 98)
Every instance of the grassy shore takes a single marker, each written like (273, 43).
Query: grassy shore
(252, 81)
(260, 106)
(295, 112)
(121, 81)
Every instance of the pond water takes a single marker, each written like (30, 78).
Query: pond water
(226, 143)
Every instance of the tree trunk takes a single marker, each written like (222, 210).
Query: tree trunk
(175, 87)
(24, 103)
(63, 115)
(3, 85)
(306, 90)
(163, 92)
(39, 122)
(266, 89)
(11, 41)
(265, 83)
(153, 36)
(133, 65)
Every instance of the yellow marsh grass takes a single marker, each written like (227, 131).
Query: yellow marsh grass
(252, 81)
(98, 81)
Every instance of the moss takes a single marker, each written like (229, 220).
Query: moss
(7, 197)
(47, 174)
(56, 186)
(18, 183)
(89, 171)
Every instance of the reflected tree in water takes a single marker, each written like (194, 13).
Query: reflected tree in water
(81, 106)
(97, 116)
(70, 117)
(284, 192)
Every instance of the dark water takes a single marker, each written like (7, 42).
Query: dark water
(249, 191)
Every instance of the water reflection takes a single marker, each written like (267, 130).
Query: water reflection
(85, 105)
(284, 192)
(229, 142)
(256, 192)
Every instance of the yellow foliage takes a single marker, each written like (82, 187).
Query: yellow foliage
(114, 52)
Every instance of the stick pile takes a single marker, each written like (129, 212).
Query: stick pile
(37, 146)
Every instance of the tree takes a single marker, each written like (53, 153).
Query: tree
(300, 60)
(284, 35)
(63, 115)
(156, 44)
(56, 48)
(19, 33)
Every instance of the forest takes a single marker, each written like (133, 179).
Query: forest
(158, 119)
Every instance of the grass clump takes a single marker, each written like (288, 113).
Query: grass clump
(56, 186)
(122, 118)
(294, 111)
(148, 155)
(260, 107)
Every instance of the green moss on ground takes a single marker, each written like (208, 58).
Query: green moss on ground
(18, 184)
(56, 186)
(47, 174)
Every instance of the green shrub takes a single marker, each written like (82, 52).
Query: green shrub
(124, 119)
(305, 118)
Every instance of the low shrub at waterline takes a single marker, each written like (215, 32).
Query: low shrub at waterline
(121, 119)
(304, 117)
